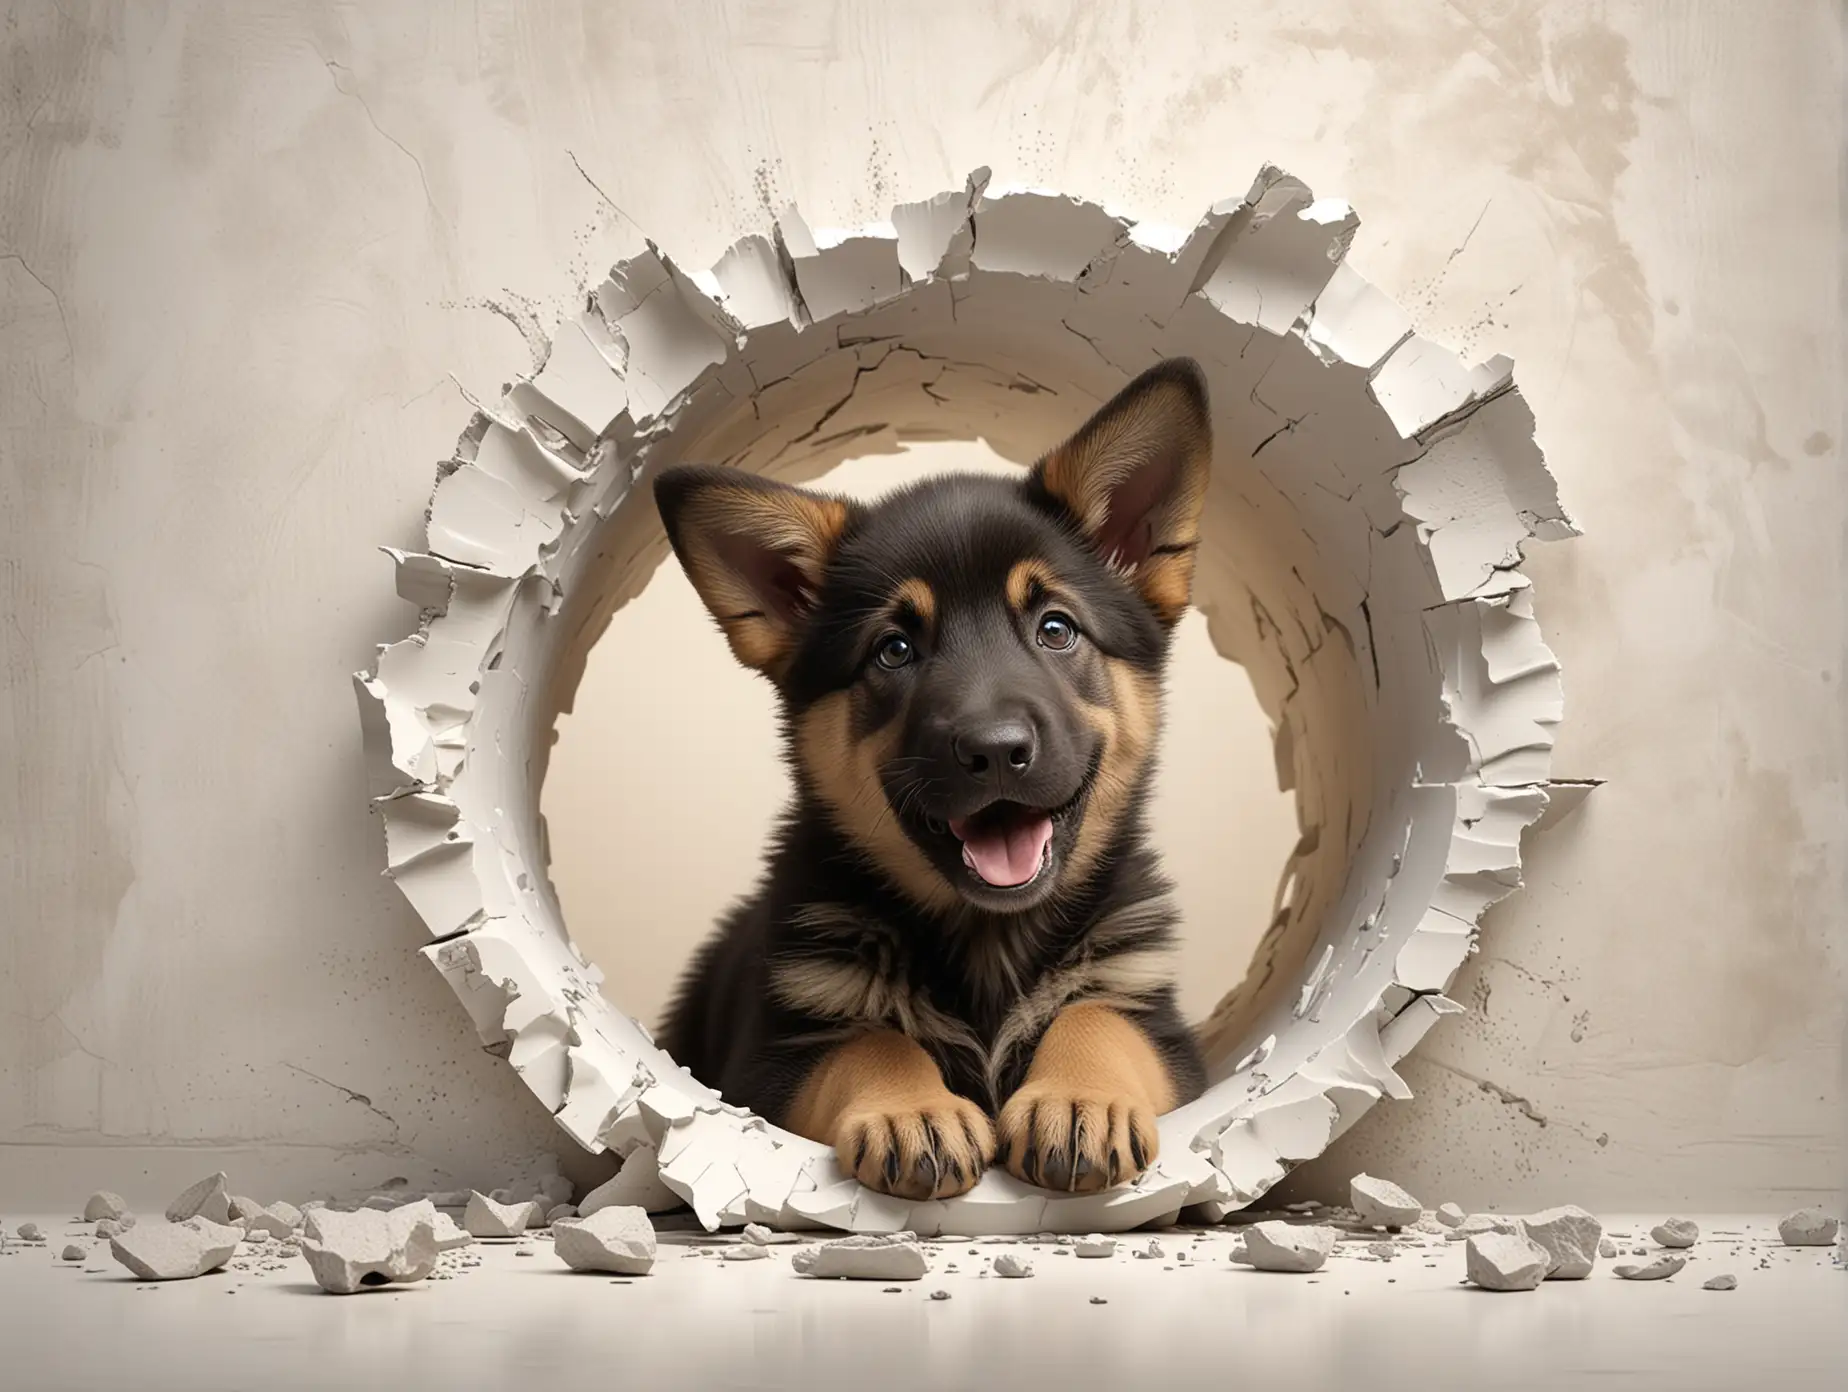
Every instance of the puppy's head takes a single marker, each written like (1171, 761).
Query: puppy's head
(969, 668)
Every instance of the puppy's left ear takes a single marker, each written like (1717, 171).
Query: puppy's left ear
(1134, 479)
(755, 551)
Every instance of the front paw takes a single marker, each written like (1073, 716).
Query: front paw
(933, 1147)
(1076, 1140)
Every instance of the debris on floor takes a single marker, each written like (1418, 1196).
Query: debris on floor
(1287, 1246)
(1383, 1204)
(1570, 1236)
(1676, 1232)
(617, 1239)
(887, 1257)
(485, 1217)
(30, 1232)
(1660, 1269)
(206, 1199)
(1450, 1215)
(1096, 1245)
(349, 1251)
(73, 1253)
(767, 1237)
(1500, 1261)
(1808, 1227)
(103, 1204)
(175, 1251)
(1007, 1264)
(1724, 1281)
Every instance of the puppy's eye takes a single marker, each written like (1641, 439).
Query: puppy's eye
(1057, 632)
(894, 651)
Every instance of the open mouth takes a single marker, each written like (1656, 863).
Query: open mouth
(1006, 845)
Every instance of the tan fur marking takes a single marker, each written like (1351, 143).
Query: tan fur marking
(845, 776)
(804, 527)
(1022, 579)
(879, 1100)
(920, 598)
(1121, 438)
(1128, 727)
(1085, 1118)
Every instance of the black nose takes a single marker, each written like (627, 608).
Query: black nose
(1001, 745)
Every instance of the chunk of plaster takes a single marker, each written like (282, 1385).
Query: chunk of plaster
(1607, 1249)
(486, 1218)
(109, 1227)
(1660, 1269)
(1007, 1264)
(103, 1204)
(347, 1252)
(448, 1235)
(277, 1219)
(1808, 1227)
(1478, 1223)
(1501, 1261)
(1570, 1236)
(175, 1251)
(559, 1213)
(1724, 1281)
(1383, 1204)
(637, 1184)
(875, 1257)
(761, 1236)
(1287, 1246)
(614, 1239)
(206, 1199)
(1450, 1215)
(745, 1251)
(73, 1253)
(1096, 1245)
(30, 1232)
(1676, 1232)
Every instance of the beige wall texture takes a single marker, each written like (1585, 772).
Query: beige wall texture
(252, 254)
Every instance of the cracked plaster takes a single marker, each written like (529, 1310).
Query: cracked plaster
(1370, 497)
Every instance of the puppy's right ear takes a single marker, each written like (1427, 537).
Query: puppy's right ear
(755, 551)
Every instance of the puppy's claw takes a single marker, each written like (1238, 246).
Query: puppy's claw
(932, 1147)
(1077, 1141)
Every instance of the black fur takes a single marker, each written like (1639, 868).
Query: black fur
(976, 980)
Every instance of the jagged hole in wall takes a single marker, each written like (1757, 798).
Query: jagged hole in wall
(667, 775)
(1360, 560)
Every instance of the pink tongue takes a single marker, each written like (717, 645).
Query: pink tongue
(1008, 855)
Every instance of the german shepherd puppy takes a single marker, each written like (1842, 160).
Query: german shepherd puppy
(961, 944)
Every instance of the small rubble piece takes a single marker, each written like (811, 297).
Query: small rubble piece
(1676, 1232)
(886, 1257)
(618, 1239)
(1607, 1249)
(206, 1199)
(448, 1235)
(73, 1253)
(1808, 1227)
(1660, 1269)
(555, 1189)
(103, 1204)
(766, 1237)
(30, 1232)
(485, 1217)
(1501, 1261)
(559, 1212)
(536, 1215)
(1478, 1223)
(744, 1251)
(109, 1227)
(1007, 1264)
(1724, 1281)
(1570, 1236)
(275, 1220)
(372, 1247)
(1383, 1204)
(1154, 1248)
(175, 1251)
(939, 1295)
(1096, 1245)
(1287, 1246)
(1099, 1300)
(1450, 1215)
(1385, 1251)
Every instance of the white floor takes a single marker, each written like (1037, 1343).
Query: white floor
(518, 1319)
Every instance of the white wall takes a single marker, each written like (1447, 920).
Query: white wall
(248, 251)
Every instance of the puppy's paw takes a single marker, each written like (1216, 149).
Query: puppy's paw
(1076, 1140)
(932, 1147)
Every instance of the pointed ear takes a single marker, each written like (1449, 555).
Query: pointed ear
(1134, 479)
(755, 551)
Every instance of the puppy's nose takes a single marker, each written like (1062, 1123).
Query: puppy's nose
(1005, 746)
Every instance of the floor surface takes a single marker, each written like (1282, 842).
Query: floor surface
(508, 1315)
